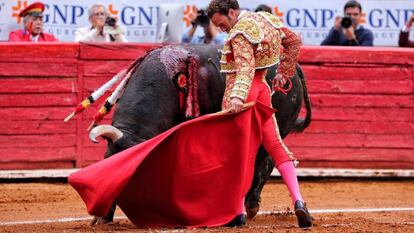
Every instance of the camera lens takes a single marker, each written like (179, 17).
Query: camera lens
(110, 21)
(203, 21)
(346, 22)
(202, 18)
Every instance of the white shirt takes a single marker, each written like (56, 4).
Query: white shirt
(88, 34)
(34, 38)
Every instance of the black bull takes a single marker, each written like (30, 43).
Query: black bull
(150, 104)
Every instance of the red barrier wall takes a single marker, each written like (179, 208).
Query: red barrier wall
(363, 104)
(363, 108)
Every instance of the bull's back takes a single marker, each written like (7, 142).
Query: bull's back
(149, 104)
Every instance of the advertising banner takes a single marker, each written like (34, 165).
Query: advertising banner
(311, 19)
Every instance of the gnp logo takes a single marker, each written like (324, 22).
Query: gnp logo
(324, 17)
(388, 18)
(141, 21)
(308, 18)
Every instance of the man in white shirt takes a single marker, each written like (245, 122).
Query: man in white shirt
(98, 31)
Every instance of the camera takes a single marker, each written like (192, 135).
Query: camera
(202, 18)
(110, 21)
(346, 22)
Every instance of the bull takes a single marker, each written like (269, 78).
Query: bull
(151, 105)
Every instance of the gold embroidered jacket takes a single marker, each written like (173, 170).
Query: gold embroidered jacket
(254, 43)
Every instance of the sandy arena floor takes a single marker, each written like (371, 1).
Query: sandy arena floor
(56, 207)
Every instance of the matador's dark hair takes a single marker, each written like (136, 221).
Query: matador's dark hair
(221, 6)
(263, 7)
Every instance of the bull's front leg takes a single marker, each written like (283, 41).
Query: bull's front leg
(263, 168)
(117, 141)
(99, 220)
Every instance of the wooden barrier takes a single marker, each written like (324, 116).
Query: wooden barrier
(363, 104)
(363, 108)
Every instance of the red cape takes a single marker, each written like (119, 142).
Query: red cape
(195, 174)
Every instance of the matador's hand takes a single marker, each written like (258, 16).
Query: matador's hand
(236, 105)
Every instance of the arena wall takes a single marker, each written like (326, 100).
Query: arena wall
(362, 99)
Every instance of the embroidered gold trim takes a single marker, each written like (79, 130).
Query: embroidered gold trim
(226, 49)
(242, 82)
(264, 53)
(228, 67)
(239, 90)
(288, 152)
(228, 71)
(238, 96)
(249, 28)
(267, 66)
(272, 19)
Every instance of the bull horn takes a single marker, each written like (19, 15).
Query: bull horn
(105, 131)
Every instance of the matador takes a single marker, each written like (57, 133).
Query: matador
(254, 43)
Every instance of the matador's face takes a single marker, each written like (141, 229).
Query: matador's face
(225, 22)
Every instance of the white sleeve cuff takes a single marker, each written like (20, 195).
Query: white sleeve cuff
(405, 29)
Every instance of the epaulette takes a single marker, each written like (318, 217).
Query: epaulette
(249, 28)
(272, 19)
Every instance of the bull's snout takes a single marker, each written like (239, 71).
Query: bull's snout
(107, 131)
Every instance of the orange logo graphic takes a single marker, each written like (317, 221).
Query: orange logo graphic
(189, 13)
(16, 9)
(278, 13)
(113, 12)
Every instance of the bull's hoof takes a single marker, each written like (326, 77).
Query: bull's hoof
(252, 212)
(100, 221)
(238, 221)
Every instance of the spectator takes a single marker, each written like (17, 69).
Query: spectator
(405, 32)
(347, 30)
(263, 7)
(211, 34)
(103, 28)
(33, 26)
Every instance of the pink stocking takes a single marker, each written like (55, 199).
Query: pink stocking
(288, 173)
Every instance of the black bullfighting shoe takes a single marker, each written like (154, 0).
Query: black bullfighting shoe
(238, 221)
(303, 215)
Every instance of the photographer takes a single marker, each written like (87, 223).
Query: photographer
(347, 30)
(103, 27)
(210, 35)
